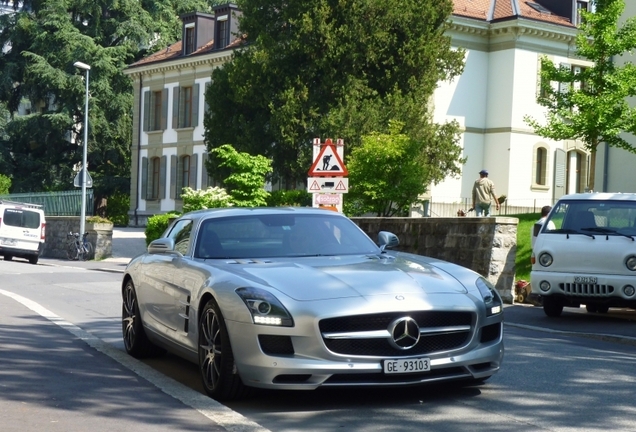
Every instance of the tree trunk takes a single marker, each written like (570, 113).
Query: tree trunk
(592, 174)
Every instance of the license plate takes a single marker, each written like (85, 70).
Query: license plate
(585, 279)
(422, 364)
(8, 242)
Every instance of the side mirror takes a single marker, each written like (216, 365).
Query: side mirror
(162, 245)
(387, 240)
(536, 228)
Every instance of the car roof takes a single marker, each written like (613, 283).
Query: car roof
(600, 196)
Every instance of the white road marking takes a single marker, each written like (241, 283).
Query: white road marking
(218, 413)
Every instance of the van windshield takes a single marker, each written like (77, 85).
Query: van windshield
(21, 218)
(608, 217)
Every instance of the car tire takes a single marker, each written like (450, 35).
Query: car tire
(8, 257)
(33, 259)
(216, 360)
(591, 308)
(136, 341)
(552, 307)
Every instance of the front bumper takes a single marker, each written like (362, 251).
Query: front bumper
(300, 371)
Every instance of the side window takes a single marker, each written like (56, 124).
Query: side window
(180, 233)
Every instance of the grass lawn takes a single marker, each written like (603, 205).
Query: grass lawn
(524, 248)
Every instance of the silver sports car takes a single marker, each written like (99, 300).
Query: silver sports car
(298, 298)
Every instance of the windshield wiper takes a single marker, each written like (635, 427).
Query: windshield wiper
(607, 231)
(569, 231)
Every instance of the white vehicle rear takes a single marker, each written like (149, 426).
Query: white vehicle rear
(590, 256)
(22, 230)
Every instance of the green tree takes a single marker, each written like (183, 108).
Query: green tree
(387, 173)
(43, 39)
(246, 179)
(5, 184)
(328, 68)
(591, 105)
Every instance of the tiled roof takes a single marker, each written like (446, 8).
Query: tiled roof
(505, 9)
(478, 9)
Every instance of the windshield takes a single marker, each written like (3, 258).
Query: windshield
(281, 235)
(590, 217)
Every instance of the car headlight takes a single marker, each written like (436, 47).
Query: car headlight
(265, 308)
(490, 295)
(545, 259)
(630, 263)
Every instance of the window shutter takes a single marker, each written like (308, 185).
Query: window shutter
(162, 178)
(206, 106)
(175, 108)
(193, 171)
(164, 109)
(205, 182)
(173, 176)
(195, 105)
(144, 177)
(146, 120)
(559, 173)
(181, 109)
(179, 178)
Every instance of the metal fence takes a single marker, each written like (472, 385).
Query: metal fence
(61, 203)
(449, 207)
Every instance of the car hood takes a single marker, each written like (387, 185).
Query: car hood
(324, 278)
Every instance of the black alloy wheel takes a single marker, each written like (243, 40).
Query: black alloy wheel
(216, 360)
(136, 342)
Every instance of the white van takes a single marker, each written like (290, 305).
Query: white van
(22, 230)
(590, 256)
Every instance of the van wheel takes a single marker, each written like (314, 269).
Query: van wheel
(33, 259)
(8, 257)
(552, 307)
(591, 308)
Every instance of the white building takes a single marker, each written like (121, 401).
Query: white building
(503, 39)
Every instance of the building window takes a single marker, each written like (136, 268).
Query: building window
(540, 166)
(154, 178)
(186, 120)
(222, 34)
(185, 107)
(189, 40)
(581, 5)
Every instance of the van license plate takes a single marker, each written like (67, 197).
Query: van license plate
(422, 364)
(585, 279)
(8, 242)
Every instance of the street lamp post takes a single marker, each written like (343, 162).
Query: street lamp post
(87, 68)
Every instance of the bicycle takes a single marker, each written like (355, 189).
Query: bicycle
(78, 249)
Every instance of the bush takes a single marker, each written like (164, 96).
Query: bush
(293, 198)
(212, 197)
(98, 219)
(117, 207)
(157, 225)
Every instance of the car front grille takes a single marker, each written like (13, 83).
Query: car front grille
(586, 289)
(369, 335)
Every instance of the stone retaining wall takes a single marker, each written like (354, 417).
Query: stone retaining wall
(57, 227)
(485, 245)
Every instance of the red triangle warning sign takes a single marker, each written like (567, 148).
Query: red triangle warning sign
(314, 186)
(328, 163)
(341, 186)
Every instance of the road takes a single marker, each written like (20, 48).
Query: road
(67, 371)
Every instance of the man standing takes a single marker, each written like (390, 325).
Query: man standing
(483, 193)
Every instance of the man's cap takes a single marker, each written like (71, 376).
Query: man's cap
(483, 172)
